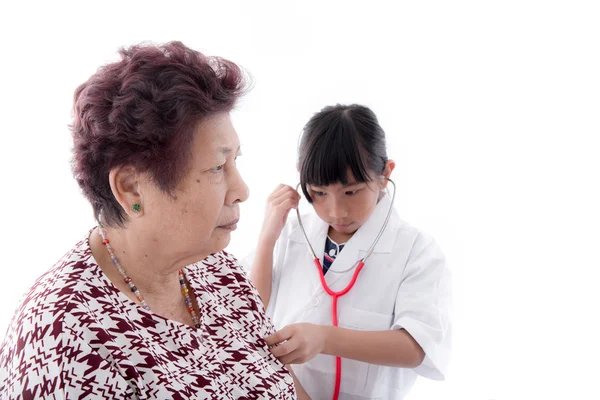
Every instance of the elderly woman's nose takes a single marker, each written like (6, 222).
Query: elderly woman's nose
(239, 190)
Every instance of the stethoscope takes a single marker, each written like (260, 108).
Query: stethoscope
(336, 295)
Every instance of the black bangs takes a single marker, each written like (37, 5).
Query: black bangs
(333, 143)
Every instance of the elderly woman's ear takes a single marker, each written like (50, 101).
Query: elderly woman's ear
(125, 183)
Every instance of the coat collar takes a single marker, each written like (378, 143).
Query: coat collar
(342, 268)
(316, 230)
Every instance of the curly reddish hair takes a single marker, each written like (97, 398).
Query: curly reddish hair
(142, 111)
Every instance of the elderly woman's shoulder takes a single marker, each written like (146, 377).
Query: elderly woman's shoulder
(224, 269)
(48, 331)
(52, 294)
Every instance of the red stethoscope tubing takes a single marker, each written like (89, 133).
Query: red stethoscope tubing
(336, 295)
(334, 314)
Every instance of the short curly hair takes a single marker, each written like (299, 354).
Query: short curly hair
(142, 111)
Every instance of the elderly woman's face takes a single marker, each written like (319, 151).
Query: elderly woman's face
(199, 219)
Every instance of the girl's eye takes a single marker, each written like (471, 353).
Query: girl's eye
(351, 192)
(317, 193)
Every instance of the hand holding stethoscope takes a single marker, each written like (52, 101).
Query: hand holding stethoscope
(279, 203)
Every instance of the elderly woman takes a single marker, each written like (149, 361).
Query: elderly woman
(148, 305)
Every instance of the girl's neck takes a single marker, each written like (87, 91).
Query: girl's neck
(339, 237)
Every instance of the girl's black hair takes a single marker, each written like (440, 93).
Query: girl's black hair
(337, 138)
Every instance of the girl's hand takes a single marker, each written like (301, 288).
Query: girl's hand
(279, 204)
(298, 343)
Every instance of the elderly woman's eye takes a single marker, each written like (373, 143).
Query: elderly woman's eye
(219, 168)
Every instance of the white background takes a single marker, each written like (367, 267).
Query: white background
(491, 109)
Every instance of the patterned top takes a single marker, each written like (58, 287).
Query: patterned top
(77, 336)
(332, 249)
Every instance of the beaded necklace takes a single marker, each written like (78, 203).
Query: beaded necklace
(184, 288)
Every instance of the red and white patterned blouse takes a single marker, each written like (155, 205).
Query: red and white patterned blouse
(77, 336)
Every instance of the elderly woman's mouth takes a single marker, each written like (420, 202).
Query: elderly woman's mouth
(231, 226)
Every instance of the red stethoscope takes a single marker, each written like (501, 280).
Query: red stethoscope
(336, 295)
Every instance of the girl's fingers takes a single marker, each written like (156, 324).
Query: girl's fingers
(294, 357)
(280, 336)
(283, 349)
(285, 196)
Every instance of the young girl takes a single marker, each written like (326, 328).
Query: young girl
(393, 323)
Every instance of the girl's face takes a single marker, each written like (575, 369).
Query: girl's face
(346, 207)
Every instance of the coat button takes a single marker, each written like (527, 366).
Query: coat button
(314, 302)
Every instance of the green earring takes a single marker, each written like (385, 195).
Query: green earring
(136, 207)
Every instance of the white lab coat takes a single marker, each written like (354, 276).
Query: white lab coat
(405, 284)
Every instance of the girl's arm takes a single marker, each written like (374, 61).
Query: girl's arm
(299, 343)
(261, 273)
(391, 348)
(279, 204)
(424, 295)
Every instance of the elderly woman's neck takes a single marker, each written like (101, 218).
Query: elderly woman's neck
(153, 270)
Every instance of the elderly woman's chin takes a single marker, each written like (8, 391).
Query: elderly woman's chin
(221, 236)
(219, 240)
(202, 244)
(191, 249)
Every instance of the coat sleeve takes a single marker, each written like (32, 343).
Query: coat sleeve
(423, 305)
